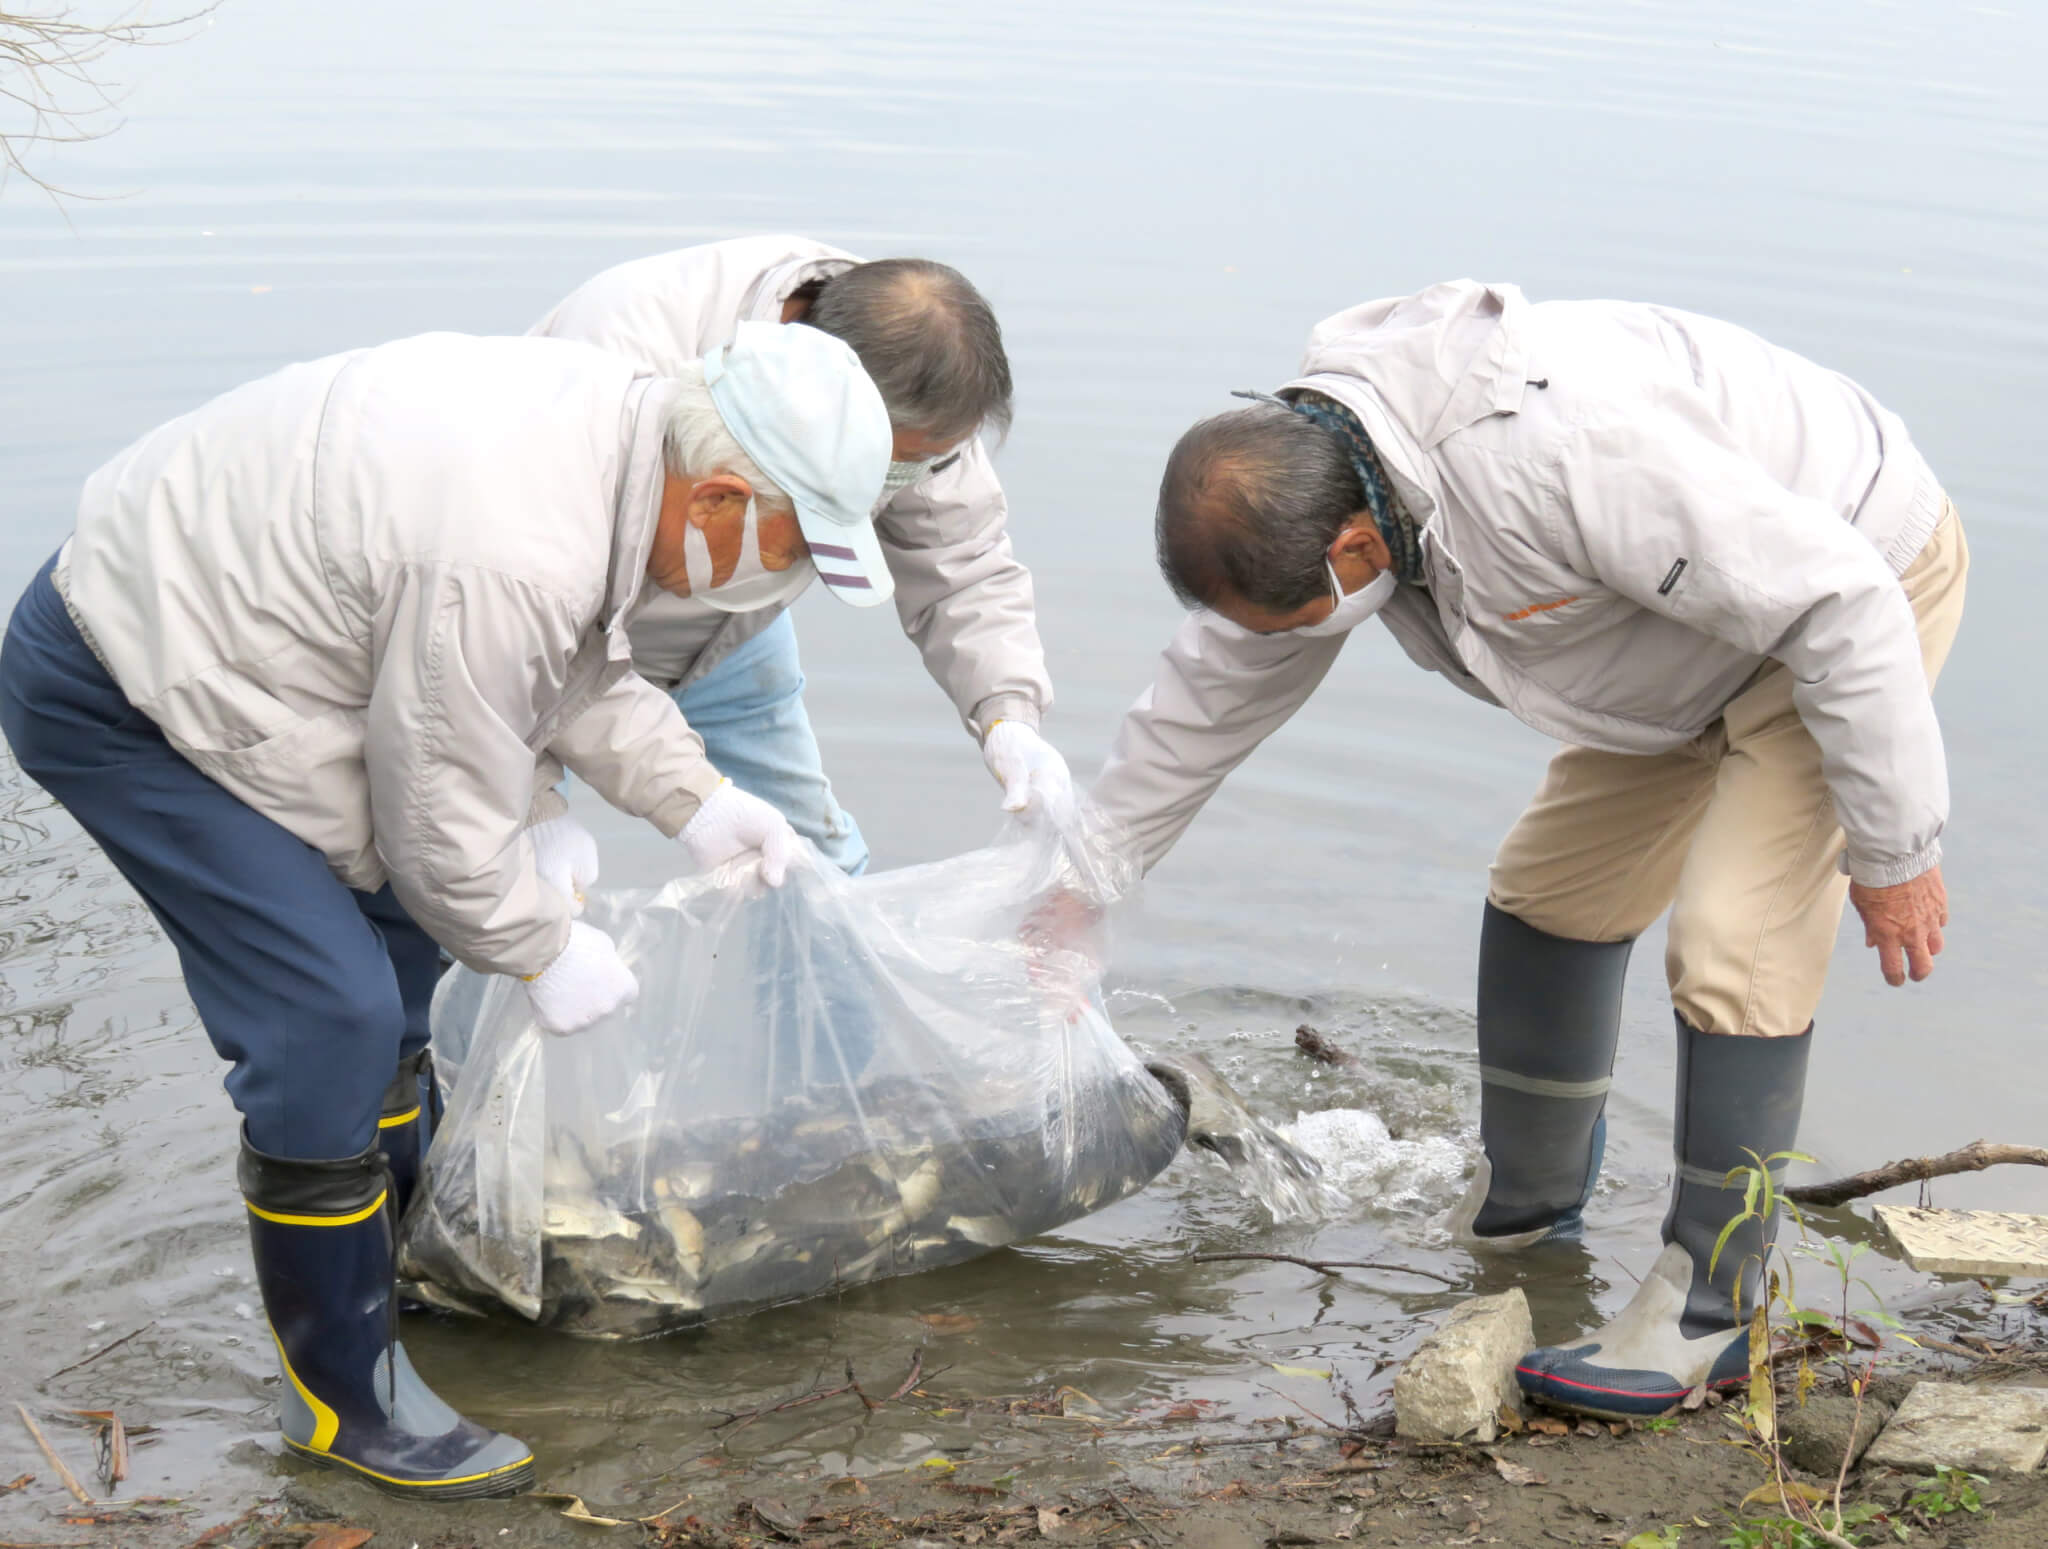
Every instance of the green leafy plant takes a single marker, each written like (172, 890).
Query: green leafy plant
(1807, 1518)
(1950, 1490)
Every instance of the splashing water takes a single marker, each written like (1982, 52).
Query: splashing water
(1263, 1163)
(1361, 1161)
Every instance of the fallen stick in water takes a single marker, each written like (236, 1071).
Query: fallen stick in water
(69, 1479)
(1325, 1266)
(1974, 1157)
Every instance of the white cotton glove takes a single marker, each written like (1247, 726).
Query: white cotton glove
(730, 823)
(587, 983)
(1030, 769)
(565, 855)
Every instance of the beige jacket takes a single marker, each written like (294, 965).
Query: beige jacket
(1628, 510)
(370, 594)
(961, 595)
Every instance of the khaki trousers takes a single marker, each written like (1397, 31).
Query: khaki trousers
(1735, 832)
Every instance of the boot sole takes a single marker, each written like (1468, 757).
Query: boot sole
(515, 1480)
(1579, 1398)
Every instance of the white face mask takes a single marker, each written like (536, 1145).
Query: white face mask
(1354, 609)
(752, 585)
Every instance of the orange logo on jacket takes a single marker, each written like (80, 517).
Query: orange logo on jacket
(1535, 608)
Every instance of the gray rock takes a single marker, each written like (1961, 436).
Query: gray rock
(1986, 1430)
(1816, 1437)
(1460, 1376)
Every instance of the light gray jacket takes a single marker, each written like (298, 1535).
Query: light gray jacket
(962, 596)
(371, 594)
(1628, 511)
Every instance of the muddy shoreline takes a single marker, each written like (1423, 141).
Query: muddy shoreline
(1055, 1466)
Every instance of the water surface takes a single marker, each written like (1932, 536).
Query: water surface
(1161, 200)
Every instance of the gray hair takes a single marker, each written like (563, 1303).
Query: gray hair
(1250, 503)
(929, 340)
(695, 443)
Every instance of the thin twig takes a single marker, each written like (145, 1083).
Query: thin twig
(103, 1349)
(911, 1381)
(1326, 1266)
(1975, 1157)
(1319, 1419)
(1130, 1516)
(69, 1479)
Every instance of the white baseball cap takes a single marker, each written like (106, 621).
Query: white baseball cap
(800, 404)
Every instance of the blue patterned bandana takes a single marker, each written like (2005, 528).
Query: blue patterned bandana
(1397, 527)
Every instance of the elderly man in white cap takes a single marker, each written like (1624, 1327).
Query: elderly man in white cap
(728, 651)
(300, 671)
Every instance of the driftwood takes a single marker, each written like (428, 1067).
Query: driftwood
(1322, 1266)
(1974, 1157)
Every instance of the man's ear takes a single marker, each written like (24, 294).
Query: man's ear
(720, 495)
(1361, 539)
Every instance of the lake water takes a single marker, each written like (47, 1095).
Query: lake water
(1161, 200)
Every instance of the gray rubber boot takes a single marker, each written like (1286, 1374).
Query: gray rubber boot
(1682, 1328)
(1549, 1020)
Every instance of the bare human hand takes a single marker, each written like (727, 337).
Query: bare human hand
(1904, 923)
(1065, 949)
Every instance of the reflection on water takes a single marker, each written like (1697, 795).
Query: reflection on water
(1161, 200)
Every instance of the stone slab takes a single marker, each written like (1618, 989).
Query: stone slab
(1968, 1242)
(1460, 1376)
(1985, 1430)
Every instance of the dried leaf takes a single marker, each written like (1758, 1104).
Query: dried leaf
(1617, 1427)
(343, 1538)
(1049, 1520)
(1516, 1473)
(1357, 1465)
(1350, 1526)
(939, 1465)
(779, 1518)
(1767, 1494)
(573, 1508)
(1298, 1371)
(949, 1322)
(1588, 1428)
(1548, 1425)
(1074, 1402)
(19, 1484)
(847, 1486)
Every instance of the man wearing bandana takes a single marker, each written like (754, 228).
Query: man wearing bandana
(1722, 577)
(939, 547)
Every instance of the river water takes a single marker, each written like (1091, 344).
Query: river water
(1161, 200)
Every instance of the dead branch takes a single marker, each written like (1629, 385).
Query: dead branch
(64, 1475)
(746, 1417)
(103, 1349)
(1320, 1049)
(1325, 1266)
(48, 75)
(1974, 1157)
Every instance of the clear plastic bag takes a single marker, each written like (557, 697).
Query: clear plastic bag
(821, 1084)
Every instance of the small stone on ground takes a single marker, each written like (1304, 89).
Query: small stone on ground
(1818, 1434)
(1460, 1377)
(1985, 1430)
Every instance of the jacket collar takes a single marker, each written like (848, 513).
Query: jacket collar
(636, 504)
(763, 300)
(1439, 360)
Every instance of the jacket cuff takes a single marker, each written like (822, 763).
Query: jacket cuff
(1893, 872)
(1003, 707)
(547, 806)
(672, 815)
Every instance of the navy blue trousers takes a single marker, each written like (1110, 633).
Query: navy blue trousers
(312, 990)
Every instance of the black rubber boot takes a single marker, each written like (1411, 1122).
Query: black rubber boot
(321, 1236)
(405, 1127)
(1683, 1326)
(1549, 1020)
